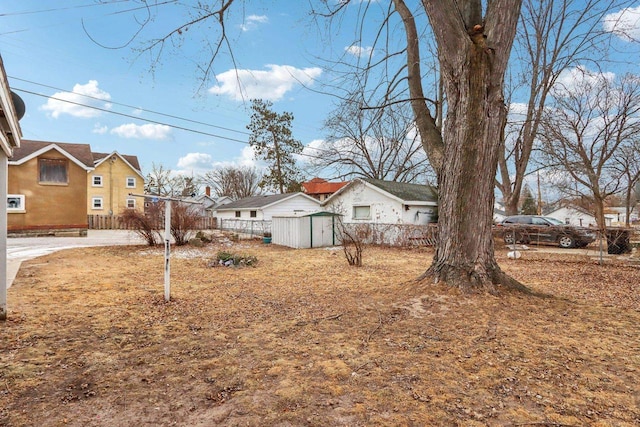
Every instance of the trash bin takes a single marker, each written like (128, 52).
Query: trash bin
(618, 241)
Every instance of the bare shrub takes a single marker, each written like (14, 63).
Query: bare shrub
(184, 220)
(353, 238)
(144, 224)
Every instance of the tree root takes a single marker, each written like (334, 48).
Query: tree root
(473, 278)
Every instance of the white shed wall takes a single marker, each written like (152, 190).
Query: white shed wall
(299, 232)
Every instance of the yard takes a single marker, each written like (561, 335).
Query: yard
(304, 339)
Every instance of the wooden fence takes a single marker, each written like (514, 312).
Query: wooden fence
(116, 222)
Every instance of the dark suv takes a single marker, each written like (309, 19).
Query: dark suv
(543, 229)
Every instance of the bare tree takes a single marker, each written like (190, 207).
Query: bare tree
(162, 182)
(380, 143)
(627, 162)
(586, 127)
(235, 182)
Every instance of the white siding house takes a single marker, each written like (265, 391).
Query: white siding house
(374, 201)
(263, 208)
(574, 215)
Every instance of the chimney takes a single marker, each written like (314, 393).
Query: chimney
(207, 191)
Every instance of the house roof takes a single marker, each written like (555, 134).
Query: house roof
(132, 160)
(80, 153)
(261, 202)
(322, 186)
(406, 191)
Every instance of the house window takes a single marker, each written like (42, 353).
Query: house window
(53, 171)
(131, 203)
(97, 181)
(362, 212)
(237, 214)
(96, 202)
(253, 214)
(131, 182)
(15, 203)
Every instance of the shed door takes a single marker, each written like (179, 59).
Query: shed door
(322, 231)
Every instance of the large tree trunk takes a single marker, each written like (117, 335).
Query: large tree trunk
(473, 53)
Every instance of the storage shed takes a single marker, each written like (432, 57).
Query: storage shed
(314, 230)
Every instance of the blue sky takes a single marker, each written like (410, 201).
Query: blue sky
(48, 51)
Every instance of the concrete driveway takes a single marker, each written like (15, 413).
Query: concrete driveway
(23, 248)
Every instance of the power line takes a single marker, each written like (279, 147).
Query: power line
(31, 12)
(132, 106)
(129, 115)
(152, 121)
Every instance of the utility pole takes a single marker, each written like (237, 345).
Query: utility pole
(539, 196)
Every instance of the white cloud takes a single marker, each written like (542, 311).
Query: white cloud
(100, 129)
(195, 161)
(359, 51)
(625, 24)
(148, 131)
(78, 102)
(252, 22)
(246, 158)
(270, 85)
(580, 79)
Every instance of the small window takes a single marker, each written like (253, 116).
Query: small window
(53, 171)
(97, 181)
(253, 214)
(131, 203)
(15, 203)
(362, 212)
(237, 214)
(96, 202)
(131, 182)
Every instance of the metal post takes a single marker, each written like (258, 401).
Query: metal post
(167, 250)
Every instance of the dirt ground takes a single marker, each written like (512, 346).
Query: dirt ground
(302, 339)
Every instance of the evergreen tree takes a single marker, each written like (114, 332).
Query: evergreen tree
(272, 142)
(529, 206)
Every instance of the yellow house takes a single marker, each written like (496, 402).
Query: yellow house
(47, 188)
(114, 177)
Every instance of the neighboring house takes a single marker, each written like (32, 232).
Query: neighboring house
(47, 185)
(321, 189)
(110, 185)
(12, 109)
(264, 207)
(208, 205)
(575, 215)
(366, 200)
(618, 215)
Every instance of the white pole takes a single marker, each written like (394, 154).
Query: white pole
(3, 235)
(167, 249)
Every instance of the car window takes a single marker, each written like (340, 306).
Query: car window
(540, 221)
(524, 220)
(554, 221)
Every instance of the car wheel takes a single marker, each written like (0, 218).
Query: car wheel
(566, 242)
(509, 238)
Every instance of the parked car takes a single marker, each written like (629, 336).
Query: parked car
(543, 229)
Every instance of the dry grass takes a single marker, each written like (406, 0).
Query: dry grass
(304, 339)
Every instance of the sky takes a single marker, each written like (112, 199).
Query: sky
(163, 112)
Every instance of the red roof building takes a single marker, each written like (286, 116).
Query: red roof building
(321, 189)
